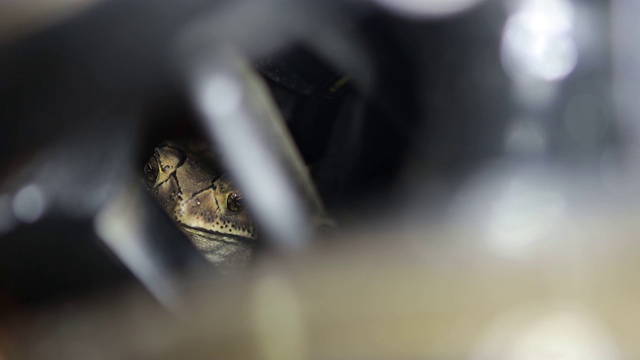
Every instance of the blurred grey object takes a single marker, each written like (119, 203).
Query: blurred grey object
(480, 158)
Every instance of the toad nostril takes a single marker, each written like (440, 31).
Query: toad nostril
(151, 169)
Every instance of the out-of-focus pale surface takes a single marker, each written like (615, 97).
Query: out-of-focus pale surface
(521, 215)
(515, 207)
(386, 295)
(19, 18)
(277, 304)
(562, 330)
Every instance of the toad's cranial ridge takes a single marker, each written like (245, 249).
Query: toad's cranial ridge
(187, 181)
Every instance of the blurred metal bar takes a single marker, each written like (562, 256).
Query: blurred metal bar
(242, 120)
(374, 298)
(251, 136)
(121, 225)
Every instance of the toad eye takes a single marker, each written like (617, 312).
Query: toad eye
(151, 169)
(235, 202)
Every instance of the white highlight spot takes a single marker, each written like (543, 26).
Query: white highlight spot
(521, 216)
(538, 42)
(420, 8)
(514, 209)
(29, 204)
(222, 95)
(564, 331)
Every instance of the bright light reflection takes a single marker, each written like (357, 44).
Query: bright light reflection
(538, 42)
(561, 331)
(29, 204)
(522, 215)
(223, 94)
(514, 209)
(428, 7)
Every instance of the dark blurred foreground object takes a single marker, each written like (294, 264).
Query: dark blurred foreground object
(482, 155)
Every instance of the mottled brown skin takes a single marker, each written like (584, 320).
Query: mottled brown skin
(189, 185)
